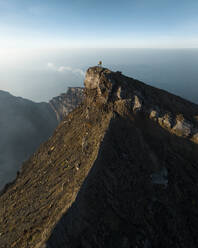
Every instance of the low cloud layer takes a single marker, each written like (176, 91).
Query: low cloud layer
(56, 68)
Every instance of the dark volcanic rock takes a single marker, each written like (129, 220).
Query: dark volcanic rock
(112, 175)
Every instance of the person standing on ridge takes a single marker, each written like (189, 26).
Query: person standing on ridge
(100, 63)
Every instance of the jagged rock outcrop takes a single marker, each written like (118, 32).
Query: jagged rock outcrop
(67, 102)
(112, 175)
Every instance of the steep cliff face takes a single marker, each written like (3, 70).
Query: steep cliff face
(119, 171)
(67, 102)
(24, 125)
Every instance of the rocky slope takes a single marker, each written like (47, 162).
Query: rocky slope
(24, 125)
(119, 171)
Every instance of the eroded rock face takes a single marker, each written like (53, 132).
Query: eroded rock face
(112, 87)
(182, 127)
(195, 137)
(165, 121)
(66, 102)
(137, 104)
(92, 78)
(109, 86)
(153, 115)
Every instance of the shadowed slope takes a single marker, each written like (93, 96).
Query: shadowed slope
(121, 205)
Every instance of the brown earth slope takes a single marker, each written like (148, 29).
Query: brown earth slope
(120, 171)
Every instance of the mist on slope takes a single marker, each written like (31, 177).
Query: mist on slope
(24, 125)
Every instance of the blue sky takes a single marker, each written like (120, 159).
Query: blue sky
(45, 44)
(91, 23)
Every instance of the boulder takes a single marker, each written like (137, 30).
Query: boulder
(137, 104)
(165, 121)
(195, 137)
(182, 127)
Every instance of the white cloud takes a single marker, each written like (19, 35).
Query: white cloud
(65, 69)
(51, 66)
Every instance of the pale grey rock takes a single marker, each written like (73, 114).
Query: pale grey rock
(118, 93)
(92, 79)
(182, 128)
(66, 102)
(165, 121)
(195, 137)
(137, 104)
(153, 115)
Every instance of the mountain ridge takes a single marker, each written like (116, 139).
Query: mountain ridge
(112, 175)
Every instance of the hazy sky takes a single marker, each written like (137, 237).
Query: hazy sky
(99, 23)
(47, 45)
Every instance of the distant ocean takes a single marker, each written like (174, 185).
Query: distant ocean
(173, 70)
